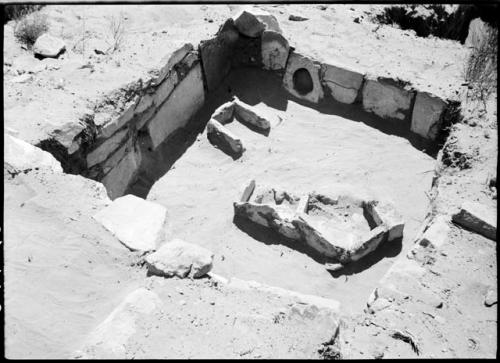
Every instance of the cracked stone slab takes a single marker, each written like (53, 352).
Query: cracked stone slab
(477, 218)
(344, 84)
(137, 223)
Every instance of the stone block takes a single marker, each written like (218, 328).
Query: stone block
(102, 152)
(224, 139)
(477, 218)
(386, 99)
(181, 259)
(186, 99)
(138, 224)
(250, 116)
(301, 78)
(426, 116)
(344, 84)
(275, 50)
(251, 22)
(384, 213)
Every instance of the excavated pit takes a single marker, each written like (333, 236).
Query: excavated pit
(328, 125)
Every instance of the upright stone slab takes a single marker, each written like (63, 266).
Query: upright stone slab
(302, 78)
(386, 99)
(177, 110)
(344, 84)
(216, 54)
(101, 152)
(138, 224)
(275, 50)
(122, 175)
(426, 117)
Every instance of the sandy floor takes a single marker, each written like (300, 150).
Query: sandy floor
(306, 150)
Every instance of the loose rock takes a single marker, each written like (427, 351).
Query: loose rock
(478, 218)
(48, 46)
(182, 259)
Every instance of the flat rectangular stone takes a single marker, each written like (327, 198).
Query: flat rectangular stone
(344, 84)
(386, 100)
(224, 113)
(426, 116)
(177, 110)
(102, 152)
(117, 156)
(247, 193)
(478, 218)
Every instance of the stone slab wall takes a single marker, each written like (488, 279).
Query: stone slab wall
(165, 102)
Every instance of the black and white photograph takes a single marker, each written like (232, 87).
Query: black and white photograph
(249, 180)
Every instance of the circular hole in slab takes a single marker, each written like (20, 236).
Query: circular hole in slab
(302, 81)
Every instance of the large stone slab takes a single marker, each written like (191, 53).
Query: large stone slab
(216, 54)
(275, 50)
(21, 156)
(386, 99)
(122, 175)
(344, 84)
(301, 84)
(102, 152)
(109, 340)
(181, 259)
(177, 110)
(48, 46)
(426, 116)
(384, 213)
(478, 218)
(224, 139)
(137, 223)
(224, 113)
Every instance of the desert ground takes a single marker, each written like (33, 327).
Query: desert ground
(75, 287)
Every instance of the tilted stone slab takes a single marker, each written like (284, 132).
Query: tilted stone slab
(426, 116)
(181, 259)
(102, 152)
(224, 139)
(386, 99)
(171, 60)
(295, 62)
(122, 175)
(275, 50)
(251, 116)
(137, 223)
(186, 99)
(477, 218)
(344, 84)
(110, 338)
(20, 156)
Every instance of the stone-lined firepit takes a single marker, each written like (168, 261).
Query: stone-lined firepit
(339, 226)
